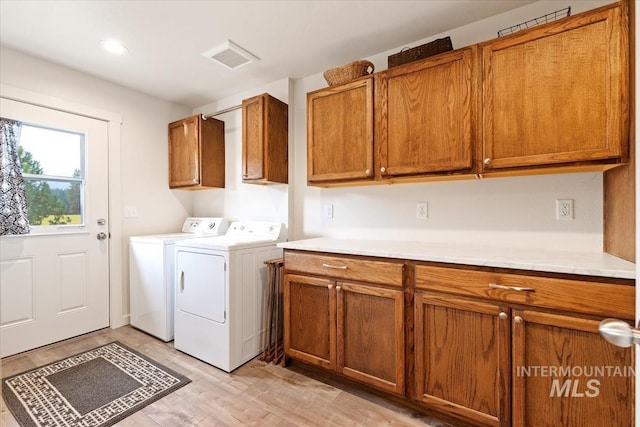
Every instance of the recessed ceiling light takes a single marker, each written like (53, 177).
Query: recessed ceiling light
(114, 47)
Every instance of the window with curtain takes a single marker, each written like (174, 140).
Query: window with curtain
(53, 170)
(13, 202)
(43, 177)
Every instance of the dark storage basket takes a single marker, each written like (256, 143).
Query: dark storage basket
(420, 52)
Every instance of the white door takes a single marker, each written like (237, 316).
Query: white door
(54, 282)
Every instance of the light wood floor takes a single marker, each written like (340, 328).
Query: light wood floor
(255, 394)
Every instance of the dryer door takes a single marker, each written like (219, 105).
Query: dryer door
(200, 285)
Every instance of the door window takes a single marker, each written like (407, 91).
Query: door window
(53, 166)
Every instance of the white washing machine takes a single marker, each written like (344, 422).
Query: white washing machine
(220, 290)
(151, 275)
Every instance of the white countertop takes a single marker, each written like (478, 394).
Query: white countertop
(583, 263)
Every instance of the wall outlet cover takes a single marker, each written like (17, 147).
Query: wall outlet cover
(564, 209)
(422, 210)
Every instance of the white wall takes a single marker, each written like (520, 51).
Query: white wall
(238, 201)
(143, 143)
(517, 211)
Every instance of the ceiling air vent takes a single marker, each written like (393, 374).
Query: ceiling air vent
(230, 55)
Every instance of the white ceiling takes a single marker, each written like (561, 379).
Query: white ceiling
(166, 38)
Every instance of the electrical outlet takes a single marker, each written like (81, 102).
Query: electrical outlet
(328, 211)
(422, 210)
(564, 209)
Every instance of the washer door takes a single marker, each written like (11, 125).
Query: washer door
(200, 285)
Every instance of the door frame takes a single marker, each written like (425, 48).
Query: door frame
(114, 121)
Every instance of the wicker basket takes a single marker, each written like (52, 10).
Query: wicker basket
(348, 72)
(420, 52)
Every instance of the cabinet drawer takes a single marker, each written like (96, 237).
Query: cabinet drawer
(598, 298)
(363, 270)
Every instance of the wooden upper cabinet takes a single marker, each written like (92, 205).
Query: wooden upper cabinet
(558, 93)
(265, 138)
(425, 114)
(598, 389)
(340, 132)
(196, 153)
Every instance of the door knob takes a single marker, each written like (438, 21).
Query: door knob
(619, 333)
(101, 236)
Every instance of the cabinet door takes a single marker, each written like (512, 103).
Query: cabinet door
(371, 335)
(340, 132)
(184, 152)
(565, 374)
(265, 140)
(427, 125)
(253, 137)
(310, 320)
(462, 359)
(557, 93)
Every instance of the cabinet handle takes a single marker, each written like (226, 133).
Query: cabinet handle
(511, 288)
(383, 169)
(337, 267)
(503, 315)
(518, 319)
(181, 281)
(619, 333)
(487, 161)
(330, 287)
(367, 172)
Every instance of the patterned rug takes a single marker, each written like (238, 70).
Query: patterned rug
(97, 388)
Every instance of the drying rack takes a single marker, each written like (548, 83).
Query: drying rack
(273, 349)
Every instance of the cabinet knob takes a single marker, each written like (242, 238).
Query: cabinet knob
(383, 169)
(330, 287)
(487, 161)
(338, 288)
(518, 319)
(503, 315)
(367, 172)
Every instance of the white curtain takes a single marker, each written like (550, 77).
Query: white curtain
(13, 201)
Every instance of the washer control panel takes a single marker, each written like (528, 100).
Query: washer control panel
(200, 225)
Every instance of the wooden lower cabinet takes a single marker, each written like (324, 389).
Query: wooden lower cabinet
(371, 335)
(354, 329)
(487, 347)
(462, 359)
(309, 317)
(596, 388)
(490, 365)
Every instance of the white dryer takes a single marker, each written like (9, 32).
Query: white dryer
(220, 291)
(151, 275)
